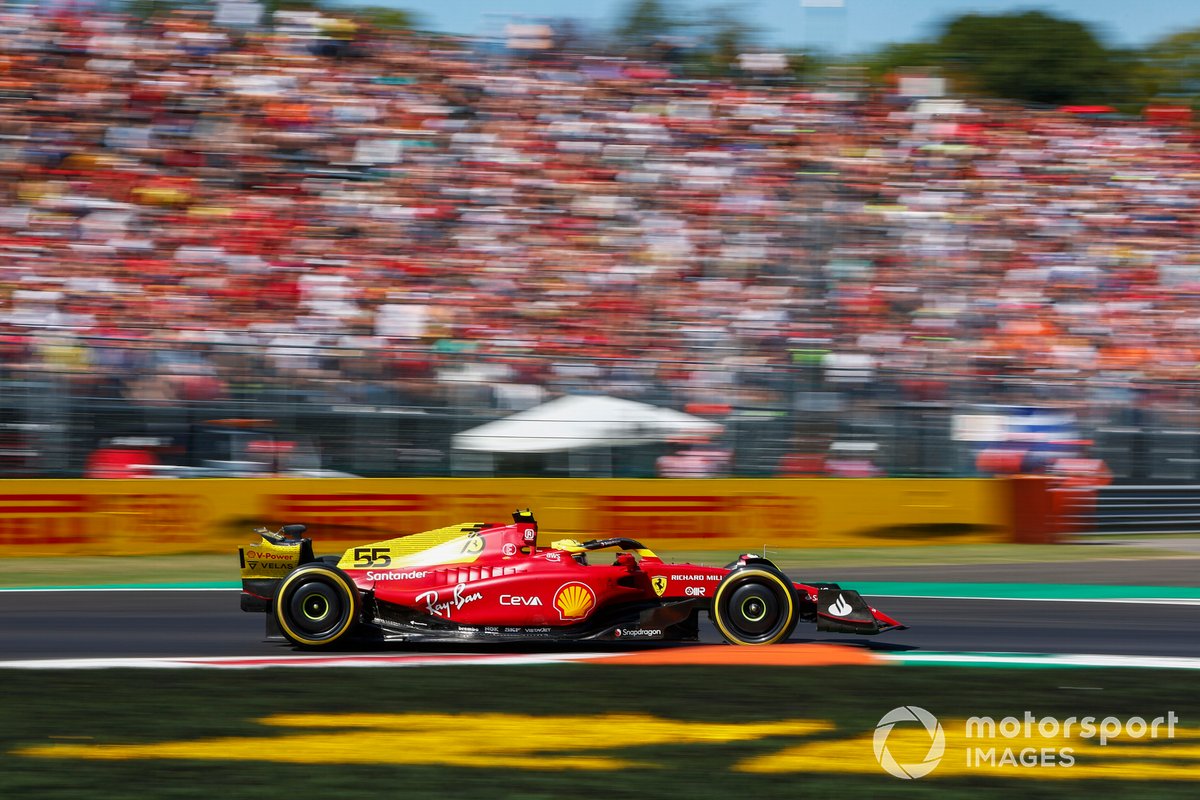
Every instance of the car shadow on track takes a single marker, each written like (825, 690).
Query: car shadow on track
(865, 644)
(477, 647)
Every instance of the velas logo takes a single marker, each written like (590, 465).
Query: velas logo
(907, 716)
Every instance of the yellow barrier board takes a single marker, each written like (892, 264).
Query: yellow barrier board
(93, 517)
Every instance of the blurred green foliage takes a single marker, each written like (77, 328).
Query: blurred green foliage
(1171, 68)
(1028, 56)
(1035, 57)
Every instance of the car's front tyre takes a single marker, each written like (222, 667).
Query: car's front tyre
(755, 605)
(317, 605)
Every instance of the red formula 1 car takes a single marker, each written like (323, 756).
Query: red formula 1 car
(491, 581)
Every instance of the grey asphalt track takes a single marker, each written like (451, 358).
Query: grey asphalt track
(1116, 572)
(86, 624)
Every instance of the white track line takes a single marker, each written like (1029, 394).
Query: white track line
(1049, 660)
(1044, 660)
(262, 662)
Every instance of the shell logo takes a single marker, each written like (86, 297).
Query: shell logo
(574, 600)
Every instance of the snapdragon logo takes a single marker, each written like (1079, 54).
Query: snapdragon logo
(937, 742)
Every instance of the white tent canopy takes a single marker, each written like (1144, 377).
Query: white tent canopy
(578, 421)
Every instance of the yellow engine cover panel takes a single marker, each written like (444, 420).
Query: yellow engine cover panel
(454, 544)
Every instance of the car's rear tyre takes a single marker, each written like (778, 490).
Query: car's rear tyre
(755, 605)
(316, 606)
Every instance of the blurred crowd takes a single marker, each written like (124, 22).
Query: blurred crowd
(190, 211)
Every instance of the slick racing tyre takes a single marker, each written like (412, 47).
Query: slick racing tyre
(316, 606)
(755, 605)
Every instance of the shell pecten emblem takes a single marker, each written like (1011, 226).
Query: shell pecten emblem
(574, 600)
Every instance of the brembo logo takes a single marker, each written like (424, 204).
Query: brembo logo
(909, 714)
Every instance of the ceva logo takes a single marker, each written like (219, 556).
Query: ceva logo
(937, 742)
(517, 600)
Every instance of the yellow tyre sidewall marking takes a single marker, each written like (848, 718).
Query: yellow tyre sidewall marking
(295, 637)
(787, 591)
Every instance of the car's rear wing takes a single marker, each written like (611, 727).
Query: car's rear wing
(265, 564)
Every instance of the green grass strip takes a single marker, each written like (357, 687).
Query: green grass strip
(100, 711)
(127, 586)
(77, 571)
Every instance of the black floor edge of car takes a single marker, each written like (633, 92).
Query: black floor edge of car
(673, 621)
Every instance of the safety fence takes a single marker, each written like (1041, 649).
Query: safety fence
(79, 517)
(393, 411)
(1132, 510)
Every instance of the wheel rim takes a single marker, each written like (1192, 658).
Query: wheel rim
(317, 609)
(754, 609)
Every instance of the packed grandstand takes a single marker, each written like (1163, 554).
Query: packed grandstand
(198, 214)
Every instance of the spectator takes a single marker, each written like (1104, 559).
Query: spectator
(699, 459)
(268, 209)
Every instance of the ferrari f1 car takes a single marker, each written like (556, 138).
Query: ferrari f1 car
(492, 582)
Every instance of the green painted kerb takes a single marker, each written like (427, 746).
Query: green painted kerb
(104, 586)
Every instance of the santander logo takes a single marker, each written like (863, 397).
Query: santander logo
(840, 607)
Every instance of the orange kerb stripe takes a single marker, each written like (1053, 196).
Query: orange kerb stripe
(780, 655)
